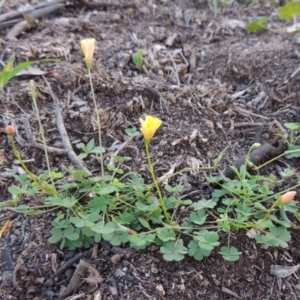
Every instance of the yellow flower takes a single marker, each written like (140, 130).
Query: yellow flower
(149, 127)
(287, 197)
(88, 47)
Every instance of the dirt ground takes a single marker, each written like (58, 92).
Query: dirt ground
(213, 85)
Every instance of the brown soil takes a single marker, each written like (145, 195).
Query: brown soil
(213, 85)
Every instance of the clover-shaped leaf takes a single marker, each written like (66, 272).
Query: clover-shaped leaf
(145, 207)
(132, 131)
(166, 235)
(173, 250)
(175, 189)
(293, 151)
(197, 252)
(56, 236)
(257, 25)
(144, 222)
(72, 245)
(243, 209)
(71, 234)
(207, 239)
(289, 10)
(230, 254)
(198, 217)
(278, 236)
(292, 126)
(141, 241)
(116, 238)
(103, 228)
(90, 145)
(204, 204)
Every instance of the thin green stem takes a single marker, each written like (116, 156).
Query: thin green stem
(42, 133)
(43, 186)
(98, 122)
(275, 158)
(176, 227)
(151, 170)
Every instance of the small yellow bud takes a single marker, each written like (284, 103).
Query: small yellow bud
(88, 48)
(287, 197)
(149, 126)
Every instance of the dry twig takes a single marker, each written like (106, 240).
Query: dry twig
(78, 275)
(66, 141)
(26, 25)
(38, 145)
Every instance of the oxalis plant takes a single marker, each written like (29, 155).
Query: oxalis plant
(119, 207)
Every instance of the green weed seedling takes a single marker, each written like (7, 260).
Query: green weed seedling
(132, 131)
(9, 71)
(292, 140)
(137, 58)
(89, 148)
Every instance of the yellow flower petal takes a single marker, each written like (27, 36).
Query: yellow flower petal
(88, 48)
(149, 126)
(5, 227)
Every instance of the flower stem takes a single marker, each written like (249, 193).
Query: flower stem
(42, 132)
(43, 186)
(98, 122)
(151, 170)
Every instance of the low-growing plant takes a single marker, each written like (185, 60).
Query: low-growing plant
(137, 58)
(292, 140)
(290, 11)
(88, 148)
(119, 207)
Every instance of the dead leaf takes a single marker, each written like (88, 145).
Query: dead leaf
(283, 271)
(31, 22)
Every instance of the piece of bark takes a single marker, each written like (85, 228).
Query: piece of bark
(79, 274)
(257, 157)
(16, 13)
(24, 25)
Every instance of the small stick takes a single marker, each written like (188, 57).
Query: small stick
(68, 264)
(247, 113)
(258, 156)
(175, 70)
(24, 25)
(246, 124)
(64, 135)
(66, 141)
(38, 145)
(13, 14)
(79, 273)
(105, 4)
(231, 293)
(75, 297)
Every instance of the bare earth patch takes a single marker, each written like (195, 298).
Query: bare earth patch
(213, 85)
